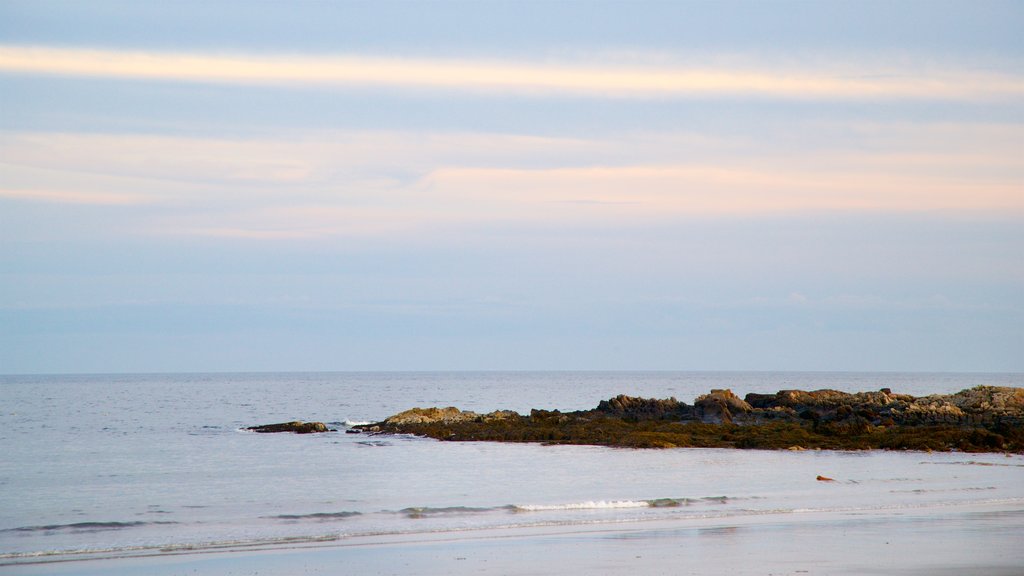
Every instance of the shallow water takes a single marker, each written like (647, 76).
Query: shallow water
(114, 466)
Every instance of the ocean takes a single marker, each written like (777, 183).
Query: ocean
(124, 466)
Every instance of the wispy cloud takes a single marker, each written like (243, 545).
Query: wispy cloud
(356, 184)
(297, 221)
(726, 189)
(540, 77)
(253, 233)
(76, 197)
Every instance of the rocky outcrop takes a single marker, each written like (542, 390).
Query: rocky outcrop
(634, 408)
(449, 415)
(720, 407)
(430, 416)
(298, 427)
(983, 405)
(822, 406)
(500, 415)
(980, 406)
(984, 418)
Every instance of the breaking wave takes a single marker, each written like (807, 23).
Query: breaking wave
(427, 511)
(607, 504)
(348, 423)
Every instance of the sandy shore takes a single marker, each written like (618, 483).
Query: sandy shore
(955, 540)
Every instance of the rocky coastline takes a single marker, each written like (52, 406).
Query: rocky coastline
(981, 419)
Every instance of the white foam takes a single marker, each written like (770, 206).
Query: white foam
(589, 505)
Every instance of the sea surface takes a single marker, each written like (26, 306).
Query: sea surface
(111, 466)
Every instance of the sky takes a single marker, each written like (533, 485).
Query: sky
(736, 185)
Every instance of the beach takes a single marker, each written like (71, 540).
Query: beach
(964, 540)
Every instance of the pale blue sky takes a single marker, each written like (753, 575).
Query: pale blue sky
(201, 186)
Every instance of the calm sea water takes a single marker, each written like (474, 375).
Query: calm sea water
(118, 465)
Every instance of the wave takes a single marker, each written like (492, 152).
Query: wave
(606, 505)
(43, 556)
(670, 502)
(374, 443)
(321, 516)
(427, 511)
(83, 526)
(349, 423)
(975, 463)
(934, 490)
(590, 505)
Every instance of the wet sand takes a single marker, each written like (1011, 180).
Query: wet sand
(965, 540)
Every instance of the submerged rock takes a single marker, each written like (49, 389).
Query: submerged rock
(298, 427)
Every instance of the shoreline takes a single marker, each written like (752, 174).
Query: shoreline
(743, 517)
(844, 542)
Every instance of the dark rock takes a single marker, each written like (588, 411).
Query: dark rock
(630, 407)
(547, 416)
(500, 416)
(297, 427)
(810, 415)
(761, 401)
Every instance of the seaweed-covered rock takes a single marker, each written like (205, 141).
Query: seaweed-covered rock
(298, 427)
(982, 419)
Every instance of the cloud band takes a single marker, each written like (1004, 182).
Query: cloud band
(587, 80)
